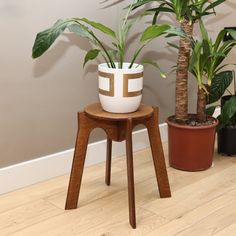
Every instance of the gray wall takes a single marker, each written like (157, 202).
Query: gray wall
(39, 99)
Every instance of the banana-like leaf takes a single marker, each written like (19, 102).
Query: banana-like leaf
(100, 27)
(220, 83)
(47, 37)
(154, 31)
(153, 63)
(81, 31)
(91, 55)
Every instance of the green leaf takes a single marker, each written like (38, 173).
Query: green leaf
(232, 33)
(210, 111)
(220, 83)
(219, 39)
(153, 63)
(227, 112)
(47, 37)
(172, 31)
(140, 3)
(100, 27)
(214, 4)
(81, 31)
(91, 55)
(154, 31)
(203, 31)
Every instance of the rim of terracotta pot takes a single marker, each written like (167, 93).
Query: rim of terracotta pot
(171, 123)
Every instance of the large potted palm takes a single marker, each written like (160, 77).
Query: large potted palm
(187, 13)
(120, 83)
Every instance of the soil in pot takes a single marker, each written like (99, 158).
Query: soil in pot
(191, 145)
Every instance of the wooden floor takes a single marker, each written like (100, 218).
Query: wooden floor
(203, 203)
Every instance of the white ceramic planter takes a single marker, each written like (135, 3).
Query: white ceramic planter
(120, 90)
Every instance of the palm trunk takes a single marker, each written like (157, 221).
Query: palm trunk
(201, 101)
(181, 108)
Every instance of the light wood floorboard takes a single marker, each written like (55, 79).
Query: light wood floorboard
(202, 203)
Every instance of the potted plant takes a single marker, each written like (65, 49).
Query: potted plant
(227, 127)
(206, 66)
(120, 83)
(187, 13)
(226, 130)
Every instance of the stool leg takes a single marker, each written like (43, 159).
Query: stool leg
(78, 163)
(130, 173)
(108, 162)
(158, 155)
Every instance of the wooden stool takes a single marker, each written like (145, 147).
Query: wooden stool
(118, 127)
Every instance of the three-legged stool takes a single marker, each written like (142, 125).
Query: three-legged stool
(118, 127)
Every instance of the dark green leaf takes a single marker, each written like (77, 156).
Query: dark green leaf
(220, 83)
(91, 55)
(232, 33)
(210, 111)
(214, 4)
(227, 112)
(47, 37)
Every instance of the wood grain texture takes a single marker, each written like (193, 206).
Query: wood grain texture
(108, 162)
(198, 200)
(78, 163)
(96, 111)
(130, 173)
(118, 127)
(158, 155)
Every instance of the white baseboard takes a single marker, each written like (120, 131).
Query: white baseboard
(41, 169)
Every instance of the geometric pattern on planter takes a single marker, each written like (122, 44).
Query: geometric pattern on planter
(126, 78)
(109, 76)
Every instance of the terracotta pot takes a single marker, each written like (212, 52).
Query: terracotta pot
(191, 148)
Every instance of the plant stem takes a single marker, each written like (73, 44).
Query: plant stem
(104, 49)
(127, 15)
(181, 106)
(100, 44)
(136, 55)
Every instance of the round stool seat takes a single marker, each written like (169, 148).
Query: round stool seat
(95, 111)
